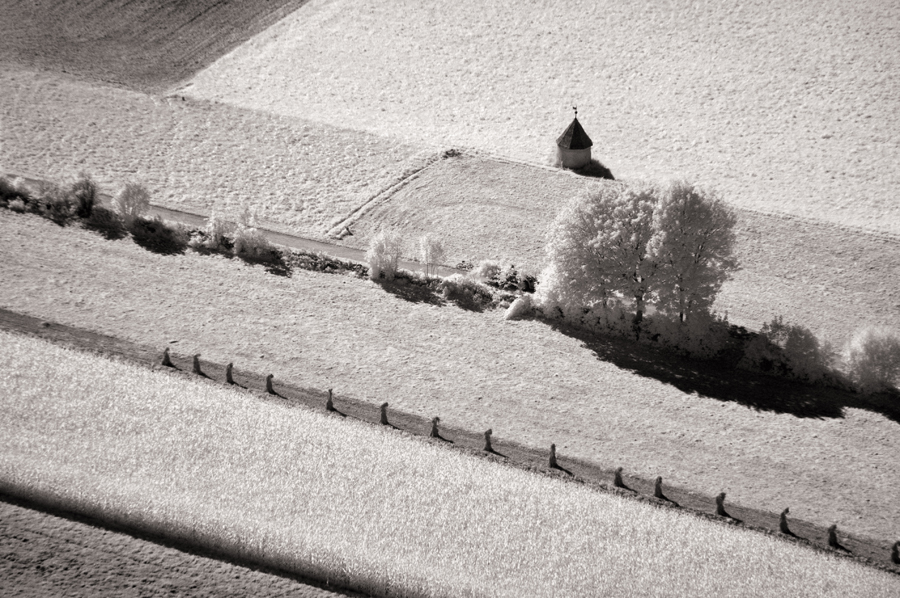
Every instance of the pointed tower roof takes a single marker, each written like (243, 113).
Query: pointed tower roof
(574, 137)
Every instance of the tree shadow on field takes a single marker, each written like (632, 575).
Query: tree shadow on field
(106, 223)
(410, 291)
(724, 382)
(159, 237)
(274, 263)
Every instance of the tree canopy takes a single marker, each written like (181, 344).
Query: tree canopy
(671, 246)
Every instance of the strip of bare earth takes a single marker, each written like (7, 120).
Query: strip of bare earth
(48, 552)
(871, 552)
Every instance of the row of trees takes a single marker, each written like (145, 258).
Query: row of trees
(641, 243)
(386, 248)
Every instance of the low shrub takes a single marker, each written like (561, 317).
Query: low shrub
(595, 169)
(251, 244)
(131, 203)
(14, 191)
(511, 279)
(701, 335)
(217, 234)
(465, 292)
(106, 222)
(322, 262)
(54, 203)
(486, 270)
(873, 360)
(384, 253)
(85, 193)
(17, 205)
(158, 236)
(7, 190)
(788, 350)
(604, 317)
(520, 308)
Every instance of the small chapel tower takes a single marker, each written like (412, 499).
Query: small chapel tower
(573, 148)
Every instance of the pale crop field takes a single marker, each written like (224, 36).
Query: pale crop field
(363, 505)
(788, 107)
(531, 384)
(805, 270)
(195, 156)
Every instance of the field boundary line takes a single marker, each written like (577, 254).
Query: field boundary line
(278, 237)
(336, 231)
(101, 517)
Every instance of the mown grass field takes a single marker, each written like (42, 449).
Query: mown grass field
(194, 156)
(295, 489)
(806, 270)
(767, 446)
(293, 123)
(784, 107)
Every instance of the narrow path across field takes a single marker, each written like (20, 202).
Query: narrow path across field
(195, 220)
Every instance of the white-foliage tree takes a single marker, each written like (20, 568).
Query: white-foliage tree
(597, 248)
(643, 244)
(383, 256)
(873, 357)
(249, 241)
(431, 252)
(692, 247)
(131, 202)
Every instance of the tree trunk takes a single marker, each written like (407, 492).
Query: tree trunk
(638, 316)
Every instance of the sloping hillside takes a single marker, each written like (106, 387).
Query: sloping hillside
(768, 444)
(830, 278)
(147, 45)
(787, 107)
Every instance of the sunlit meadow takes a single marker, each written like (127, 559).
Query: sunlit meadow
(365, 506)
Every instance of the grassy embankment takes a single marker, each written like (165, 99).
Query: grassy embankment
(821, 453)
(366, 507)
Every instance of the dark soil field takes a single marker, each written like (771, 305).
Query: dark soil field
(44, 554)
(148, 46)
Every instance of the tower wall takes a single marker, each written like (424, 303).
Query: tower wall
(574, 158)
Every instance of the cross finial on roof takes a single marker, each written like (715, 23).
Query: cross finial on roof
(575, 108)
